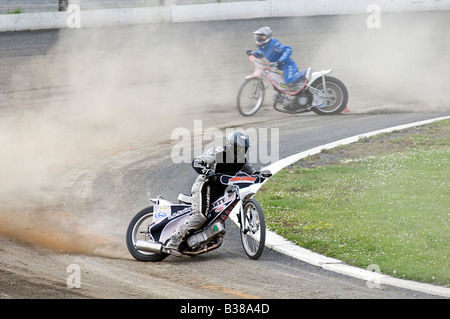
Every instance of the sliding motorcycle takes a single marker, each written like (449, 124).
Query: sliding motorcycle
(320, 93)
(152, 227)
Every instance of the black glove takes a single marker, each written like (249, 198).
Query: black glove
(264, 173)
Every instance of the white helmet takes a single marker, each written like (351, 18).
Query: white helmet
(262, 36)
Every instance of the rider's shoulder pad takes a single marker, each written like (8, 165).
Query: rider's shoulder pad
(210, 155)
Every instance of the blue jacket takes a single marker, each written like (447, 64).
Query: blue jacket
(274, 51)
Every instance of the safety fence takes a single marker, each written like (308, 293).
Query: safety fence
(83, 13)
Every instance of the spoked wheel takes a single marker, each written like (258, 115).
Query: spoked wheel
(335, 98)
(250, 96)
(137, 230)
(254, 234)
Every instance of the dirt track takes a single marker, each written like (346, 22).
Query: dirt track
(87, 118)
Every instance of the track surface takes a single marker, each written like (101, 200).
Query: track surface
(87, 117)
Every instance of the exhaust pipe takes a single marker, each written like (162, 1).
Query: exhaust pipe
(149, 246)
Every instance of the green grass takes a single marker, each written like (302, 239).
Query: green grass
(383, 200)
(15, 11)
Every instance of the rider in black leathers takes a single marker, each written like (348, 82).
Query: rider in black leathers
(228, 159)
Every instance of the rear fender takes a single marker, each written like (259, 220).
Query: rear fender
(318, 74)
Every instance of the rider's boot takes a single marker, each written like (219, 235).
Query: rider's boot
(278, 97)
(195, 221)
(173, 250)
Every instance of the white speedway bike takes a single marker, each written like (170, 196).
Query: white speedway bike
(153, 226)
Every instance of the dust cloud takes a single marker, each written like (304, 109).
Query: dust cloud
(101, 90)
(94, 93)
(402, 66)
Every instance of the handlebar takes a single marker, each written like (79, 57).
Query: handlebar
(259, 61)
(244, 178)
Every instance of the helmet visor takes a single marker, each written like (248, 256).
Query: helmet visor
(260, 38)
(239, 153)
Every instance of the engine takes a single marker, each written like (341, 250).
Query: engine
(296, 102)
(201, 238)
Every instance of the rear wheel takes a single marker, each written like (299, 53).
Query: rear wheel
(334, 98)
(250, 96)
(137, 230)
(253, 235)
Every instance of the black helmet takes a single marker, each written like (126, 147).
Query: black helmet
(239, 143)
(262, 36)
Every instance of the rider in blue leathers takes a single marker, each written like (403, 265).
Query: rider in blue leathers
(278, 54)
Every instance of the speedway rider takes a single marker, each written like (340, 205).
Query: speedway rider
(228, 159)
(278, 54)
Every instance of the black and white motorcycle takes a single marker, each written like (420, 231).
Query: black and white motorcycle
(153, 226)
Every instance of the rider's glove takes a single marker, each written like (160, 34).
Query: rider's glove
(249, 52)
(264, 173)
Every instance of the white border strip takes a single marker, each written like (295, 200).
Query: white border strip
(282, 245)
(208, 12)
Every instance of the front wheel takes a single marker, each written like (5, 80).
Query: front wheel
(334, 99)
(253, 231)
(137, 230)
(250, 96)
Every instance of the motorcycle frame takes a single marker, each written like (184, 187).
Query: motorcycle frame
(176, 217)
(272, 74)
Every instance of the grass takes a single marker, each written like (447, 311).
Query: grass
(15, 11)
(383, 200)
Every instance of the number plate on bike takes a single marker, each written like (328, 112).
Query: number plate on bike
(161, 212)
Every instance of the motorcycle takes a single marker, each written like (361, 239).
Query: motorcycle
(320, 93)
(152, 227)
